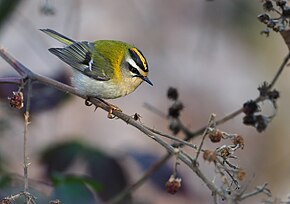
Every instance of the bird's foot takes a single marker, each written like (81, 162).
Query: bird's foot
(111, 109)
(89, 103)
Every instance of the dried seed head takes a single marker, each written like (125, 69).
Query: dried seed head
(241, 174)
(249, 120)
(172, 93)
(250, 107)
(264, 88)
(209, 155)
(273, 95)
(268, 5)
(174, 126)
(261, 123)
(281, 3)
(5, 201)
(174, 110)
(215, 136)
(173, 184)
(225, 152)
(239, 140)
(264, 18)
(16, 101)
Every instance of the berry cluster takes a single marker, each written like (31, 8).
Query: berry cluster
(278, 23)
(251, 108)
(174, 110)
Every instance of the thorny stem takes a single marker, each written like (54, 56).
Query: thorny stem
(25, 155)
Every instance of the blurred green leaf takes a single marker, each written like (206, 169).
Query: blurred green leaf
(108, 172)
(103, 171)
(5, 180)
(74, 189)
(59, 157)
(7, 7)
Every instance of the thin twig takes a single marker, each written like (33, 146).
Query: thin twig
(21, 69)
(259, 189)
(215, 198)
(210, 122)
(280, 70)
(11, 80)
(153, 168)
(26, 122)
(175, 139)
(155, 110)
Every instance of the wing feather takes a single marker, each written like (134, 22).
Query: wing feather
(81, 57)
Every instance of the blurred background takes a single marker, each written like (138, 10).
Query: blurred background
(211, 51)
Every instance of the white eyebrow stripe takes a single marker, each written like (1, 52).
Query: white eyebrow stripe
(132, 63)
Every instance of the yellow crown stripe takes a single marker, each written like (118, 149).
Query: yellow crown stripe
(143, 60)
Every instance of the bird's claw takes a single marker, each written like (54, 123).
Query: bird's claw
(88, 102)
(111, 109)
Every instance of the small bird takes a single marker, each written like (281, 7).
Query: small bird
(105, 69)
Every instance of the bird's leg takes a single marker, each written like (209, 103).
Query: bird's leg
(111, 106)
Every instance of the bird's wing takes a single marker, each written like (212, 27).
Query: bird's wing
(61, 38)
(81, 56)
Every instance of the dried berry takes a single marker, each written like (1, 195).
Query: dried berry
(209, 155)
(264, 18)
(261, 123)
(268, 5)
(174, 126)
(266, 32)
(273, 95)
(5, 201)
(174, 110)
(239, 140)
(225, 152)
(264, 88)
(249, 120)
(271, 24)
(250, 107)
(173, 184)
(241, 174)
(215, 136)
(281, 3)
(16, 101)
(172, 93)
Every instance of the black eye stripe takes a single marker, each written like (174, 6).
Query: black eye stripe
(133, 69)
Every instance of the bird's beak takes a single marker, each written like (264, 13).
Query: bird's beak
(147, 80)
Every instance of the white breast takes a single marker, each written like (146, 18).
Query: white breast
(103, 89)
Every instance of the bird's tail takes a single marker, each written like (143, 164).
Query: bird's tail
(61, 38)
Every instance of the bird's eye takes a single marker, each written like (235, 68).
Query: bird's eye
(133, 69)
